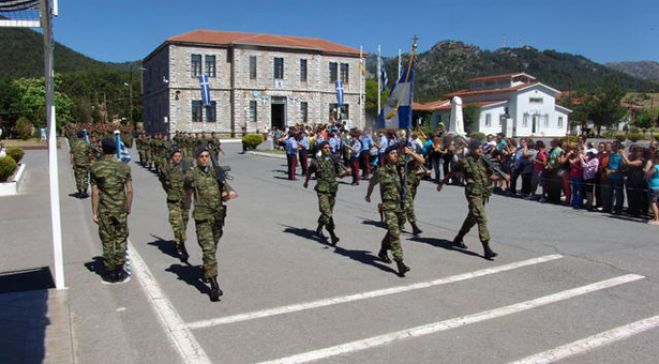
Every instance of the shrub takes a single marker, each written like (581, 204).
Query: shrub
(16, 153)
(571, 139)
(634, 137)
(477, 135)
(634, 130)
(23, 128)
(621, 138)
(7, 167)
(251, 141)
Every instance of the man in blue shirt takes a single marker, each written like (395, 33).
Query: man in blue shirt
(334, 142)
(382, 147)
(616, 181)
(365, 153)
(292, 148)
(304, 151)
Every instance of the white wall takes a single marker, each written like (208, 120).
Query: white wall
(545, 114)
(494, 113)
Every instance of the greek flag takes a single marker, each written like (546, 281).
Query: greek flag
(384, 80)
(122, 151)
(17, 5)
(205, 90)
(339, 92)
(397, 111)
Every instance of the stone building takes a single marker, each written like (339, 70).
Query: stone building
(257, 82)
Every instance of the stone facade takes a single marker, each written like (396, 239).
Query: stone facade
(170, 88)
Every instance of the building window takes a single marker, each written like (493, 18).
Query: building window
(488, 120)
(303, 70)
(501, 117)
(196, 65)
(210, 66)
(546, 120)
(535, 100)
(279, 68)
(211, 112)
(304, 111)
(196, 111)
(252, 67)
(560, 121)
(344, 73)
(252, 111)
(345, 111)
(525, 121)
(333, 72)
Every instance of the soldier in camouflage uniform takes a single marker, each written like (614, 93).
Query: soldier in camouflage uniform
(172, 178)
(209, 212)
(81, 156)
(391, 192)
(327, 168)
(415, 171)
(478, 175)
(112, 197)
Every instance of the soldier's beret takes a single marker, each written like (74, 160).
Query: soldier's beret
(174, 150)
(200, 149)
(108, 145)
(474, 144)
(322, 144)
(390, 148)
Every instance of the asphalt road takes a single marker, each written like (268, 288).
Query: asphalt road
(561, 276)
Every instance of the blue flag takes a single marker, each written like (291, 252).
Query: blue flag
(122, 151)
(205, 90)
(384, 80)
(339, 92)
(397, 113)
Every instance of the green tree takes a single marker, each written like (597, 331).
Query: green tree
(643, 121)
(604, 107)
(33, 99)
(471, 115)
(371, 105)
(11, 107)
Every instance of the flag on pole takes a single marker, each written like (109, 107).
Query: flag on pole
(205, 90)
(361, 67)
(339, 93)
(122, 151)
(384, 79)
(397, 112)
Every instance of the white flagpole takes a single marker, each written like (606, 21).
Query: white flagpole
(400, 59)
(361, 86)
(379, 76)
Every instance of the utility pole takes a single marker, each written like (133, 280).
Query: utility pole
(379, 76)
(130, 97)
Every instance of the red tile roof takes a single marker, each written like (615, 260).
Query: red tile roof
(216, 37)
(497, 77)
(469, 92)
(430, 106)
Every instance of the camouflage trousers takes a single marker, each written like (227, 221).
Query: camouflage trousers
(140, 152)
(475, 216)
(113, 230)
(178, 219)
(82, 177)
(394, 221)
(409, 203)
(209, 232)
(326, 203)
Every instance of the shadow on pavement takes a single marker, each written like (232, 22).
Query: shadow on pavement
(95, 266)
(362, 256)
(23, 318)
(168, 247)
(190, 274)
(374, 223)
(79, 197)
(26, 280)
(445, 244)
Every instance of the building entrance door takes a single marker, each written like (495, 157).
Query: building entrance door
(278, 113)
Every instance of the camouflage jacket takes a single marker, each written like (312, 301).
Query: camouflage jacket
(172, 177)
(207, 193)
(477, 177)
(110, 176)
(81, 153)
(412, 169)
(391, 187)
(327, 169)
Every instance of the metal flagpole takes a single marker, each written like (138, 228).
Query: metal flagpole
(361, 84)
(379, 76)
(56, 224)
(400, 60)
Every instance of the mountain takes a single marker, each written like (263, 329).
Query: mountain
(647, 70)
(22, 56)
(449, 64)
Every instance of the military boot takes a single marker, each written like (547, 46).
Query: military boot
(216, 292)
(382, 254)
(120, 275)
(402, 268)
(487, 252)
(109, 276)
(335, 239)
(457, 242)
(415, 229)
(182, 252)
(319, 231)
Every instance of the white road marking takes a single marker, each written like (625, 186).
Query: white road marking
(371, 294)
(591, 342)
(179, 335)
(453, 323)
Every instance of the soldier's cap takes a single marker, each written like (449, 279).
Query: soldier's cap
(174, 150)
(390, 148)
(474, 144)
(109, 146)
(322, 144)
(81, 134)
(200, 149)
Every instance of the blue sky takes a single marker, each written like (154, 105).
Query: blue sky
(123, 30)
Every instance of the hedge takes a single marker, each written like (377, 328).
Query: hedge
(477, 135)
(16, 153)
(23, 128)
(251, 141)
(7, 168)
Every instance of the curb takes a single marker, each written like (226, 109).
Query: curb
(11, 188)
(267, 155)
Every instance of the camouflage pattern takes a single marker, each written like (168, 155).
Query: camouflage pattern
(81, 154)
(172, 177)
(139, 143)
(209, 213)
(413, 181)
(394, 214)
(327, 169)
(477, 191)
(110, 177)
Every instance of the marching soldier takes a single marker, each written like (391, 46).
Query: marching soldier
(478, 174)
(81, 156)
(112, 197)
(209, 212)
(415, 171)
(391, 193)
(172, 177)
(327, 168)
